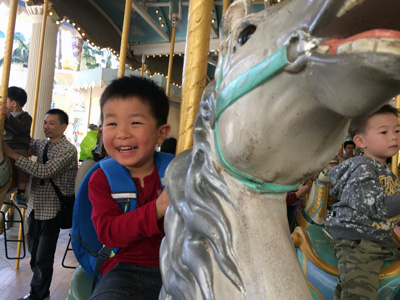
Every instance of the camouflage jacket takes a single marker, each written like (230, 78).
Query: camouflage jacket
(369, 201)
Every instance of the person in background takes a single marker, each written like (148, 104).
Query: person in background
(57, 161)
(347, 151)
(293, 204)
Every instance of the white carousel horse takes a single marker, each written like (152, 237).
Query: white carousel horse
(281, 104)
(315, 206)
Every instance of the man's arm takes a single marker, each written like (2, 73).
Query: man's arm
(53, 166)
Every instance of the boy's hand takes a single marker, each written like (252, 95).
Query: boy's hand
(10, 152)
(4, 110)
(162, 203)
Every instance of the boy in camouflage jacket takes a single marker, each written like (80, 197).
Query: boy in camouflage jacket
(369, 207)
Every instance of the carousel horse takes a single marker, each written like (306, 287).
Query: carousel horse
(315, 206)
(6, 180)
(284, 95)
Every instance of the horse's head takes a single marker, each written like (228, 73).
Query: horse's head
(286, 90)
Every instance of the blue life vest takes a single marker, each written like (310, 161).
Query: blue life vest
(85, 244)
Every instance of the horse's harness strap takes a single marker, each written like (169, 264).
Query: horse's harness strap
(243, 84)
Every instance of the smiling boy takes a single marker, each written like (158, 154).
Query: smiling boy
(134, 114)
(368, 207)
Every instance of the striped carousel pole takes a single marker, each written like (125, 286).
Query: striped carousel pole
(195, 69)
(395, 158)
(124, 38)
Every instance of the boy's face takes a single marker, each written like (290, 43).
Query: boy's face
(349, 149)
(381, 138)
(130, 134)
(10, 104)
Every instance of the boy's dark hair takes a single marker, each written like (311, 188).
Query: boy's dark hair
(358, 126)
(349, 143)
(145, 89)
(17, 94)
(62, 115)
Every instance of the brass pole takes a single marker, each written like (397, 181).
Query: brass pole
(39, 69)
(171, 55)
(395, 158)
(124, 38)
(142, 69)
(195, 68)
(225, 6)
(12, 15)
(90, 104)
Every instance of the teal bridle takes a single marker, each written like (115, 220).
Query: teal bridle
(243, 84)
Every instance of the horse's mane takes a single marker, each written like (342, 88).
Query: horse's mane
(196, 222)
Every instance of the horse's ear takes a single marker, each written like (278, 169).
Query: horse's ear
(233, 15)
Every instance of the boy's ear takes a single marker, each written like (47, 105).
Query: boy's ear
(359, 141)
(13, 102)
(163, 132)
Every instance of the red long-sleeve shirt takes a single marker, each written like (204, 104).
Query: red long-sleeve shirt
(137, 233)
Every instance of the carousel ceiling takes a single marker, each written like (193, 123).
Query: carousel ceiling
(100, 22)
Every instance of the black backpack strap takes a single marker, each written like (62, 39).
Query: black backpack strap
(102, 256)
(45, 159)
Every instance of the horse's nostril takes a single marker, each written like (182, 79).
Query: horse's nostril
(292, 49)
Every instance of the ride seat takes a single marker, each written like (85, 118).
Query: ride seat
(317, 244)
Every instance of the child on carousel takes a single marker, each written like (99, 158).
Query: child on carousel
(368, 208)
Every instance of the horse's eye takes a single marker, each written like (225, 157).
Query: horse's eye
(246, 34)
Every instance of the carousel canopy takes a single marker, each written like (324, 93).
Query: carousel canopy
(100, 22)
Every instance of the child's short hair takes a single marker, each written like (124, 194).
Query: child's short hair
(145, 89)
(17, 94)
(62, 115)
(346, 143)
(358, 126)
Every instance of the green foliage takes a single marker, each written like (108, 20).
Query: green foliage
(20, 53)
(89, 55)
